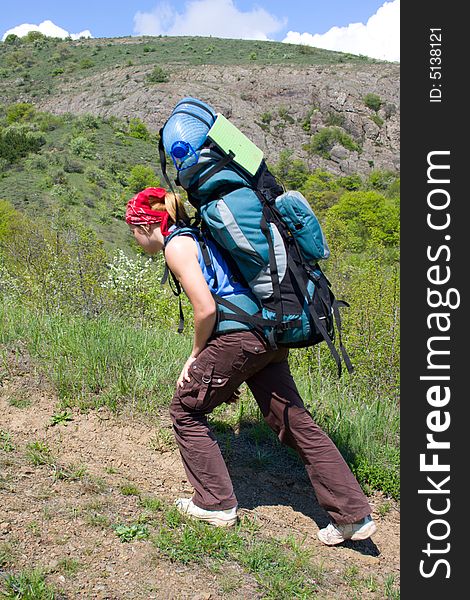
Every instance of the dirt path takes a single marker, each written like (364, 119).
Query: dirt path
(59, 516)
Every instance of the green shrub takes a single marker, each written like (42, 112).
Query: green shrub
(138, 129)
(16, 141)
(142, 177)
(377, 120)
(33, 36)
(8, 217)
(86, 63)
(334, 119)
(351, 182)
(83, 147)
(292, 172)
(324, 140)
(72, 166)
(12, 39)
(383, 181)
(20, 112)
(158, 75)
(373, 101)
(283, 113)
(86, 122)
(362, 218)
(266, 118)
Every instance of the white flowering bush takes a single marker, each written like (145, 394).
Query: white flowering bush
(8, 283)
(134, 288)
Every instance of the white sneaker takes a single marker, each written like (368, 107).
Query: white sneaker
(219, 518)
(335, 534)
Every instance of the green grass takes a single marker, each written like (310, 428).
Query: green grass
(39, 453)
(68, 472)
(6, 443)
(129, 489)
(100, 361)
(26, 585)
(69, 566)
(7, 554)
(106, 361)
(283, 569)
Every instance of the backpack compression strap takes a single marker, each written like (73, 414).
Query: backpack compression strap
(218, 166)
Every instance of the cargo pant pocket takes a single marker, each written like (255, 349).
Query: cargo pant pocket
(253, 351)
(205, 390)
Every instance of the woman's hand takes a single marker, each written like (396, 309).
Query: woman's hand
(184, 375)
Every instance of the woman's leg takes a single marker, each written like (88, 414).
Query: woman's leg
(217, 372)
(335, 486)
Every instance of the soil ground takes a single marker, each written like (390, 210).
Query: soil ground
(52, 522)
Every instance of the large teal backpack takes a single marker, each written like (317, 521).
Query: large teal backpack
(271, 235)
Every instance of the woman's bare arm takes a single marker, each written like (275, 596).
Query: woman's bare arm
(182, 258)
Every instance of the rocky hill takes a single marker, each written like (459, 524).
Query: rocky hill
(280, 103)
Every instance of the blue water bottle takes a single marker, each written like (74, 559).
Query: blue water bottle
(186, 130)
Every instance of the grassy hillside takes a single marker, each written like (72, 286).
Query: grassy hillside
(87, 165)
(34, 66)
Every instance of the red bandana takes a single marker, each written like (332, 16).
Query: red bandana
(139, 211)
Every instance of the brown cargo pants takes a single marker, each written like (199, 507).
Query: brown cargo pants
(227, 361)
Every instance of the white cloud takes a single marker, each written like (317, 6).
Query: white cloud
(47, 28)
(378, 38)
(218, 18)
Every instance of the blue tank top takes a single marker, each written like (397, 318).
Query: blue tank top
(220, 280)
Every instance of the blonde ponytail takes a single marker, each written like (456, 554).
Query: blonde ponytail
(169, 205)
(171, 202)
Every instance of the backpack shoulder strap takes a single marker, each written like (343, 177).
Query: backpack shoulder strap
(196, 234)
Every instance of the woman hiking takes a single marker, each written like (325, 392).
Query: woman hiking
(220, 361)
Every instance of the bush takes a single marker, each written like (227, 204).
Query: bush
(72, 166)
(377, 120)
(383, 181)
(323, 141)
(373, 101)
(16, 141)
(292, 172)
(142, 177)
(266, 118)
(335, 119)
(86, 63)
(361, 220)
(87, 121)
(33, 36)
(158, 75)
(97, 176)
(20, 112)
(83, 147)
(283, 113)
(351, 182)
(8, 219)
(137, 129)
(12, 39)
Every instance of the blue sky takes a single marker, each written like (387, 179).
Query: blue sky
(309, 22)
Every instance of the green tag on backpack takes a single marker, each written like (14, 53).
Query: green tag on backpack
(229, 138)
